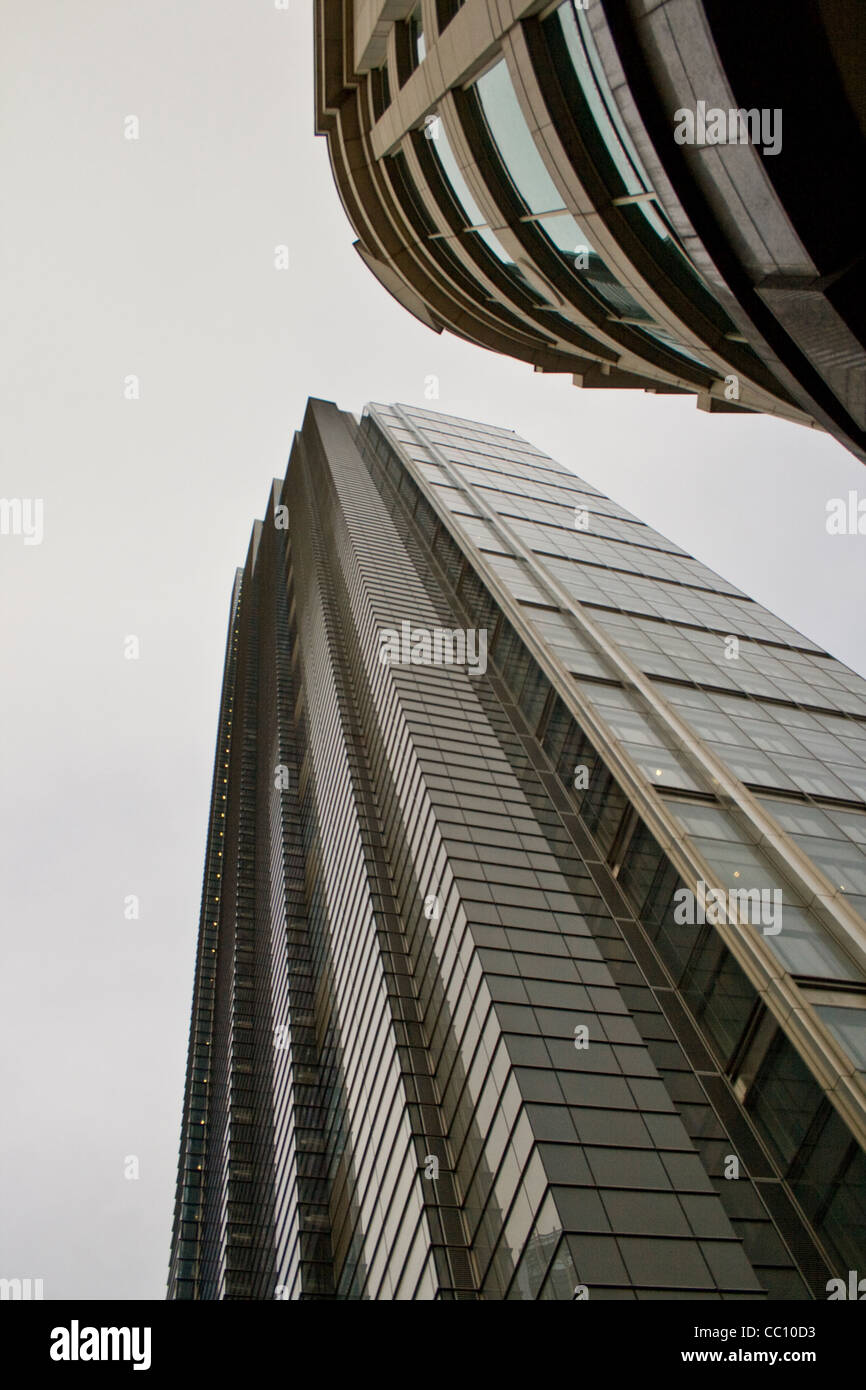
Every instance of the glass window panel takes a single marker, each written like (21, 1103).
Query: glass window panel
(496, 247)
(823, 745)
(608, 696)
(811, 777)
(631, 724)
(718, 991)
(515, 142)
(784, 1099)
(565, 233)
(750, 765)
(852, 822)
(482, 534)
(857, 746)
(799, 818)
(705, 821)
(830, 1184)
(773, 738)
(416, 36)
(805, 950)
(661, 766)
(441, 147)
(842, 862)
(849, 1026)
(741, 866)
(853, 778)
(582, 663)
(517, 577)
(562, 1279)
(713, 725)
(600, 100)
(611, 291)
(667, 339)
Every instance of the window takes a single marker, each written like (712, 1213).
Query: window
(849, 1026)
(411, 45)
(784, 1099)
(584, 82)
(381, 91)
(445, 12)
(667, 339)
(528, 173)
(417, 44)
(589, 71)
(802, 944)
(835, 840)
(515, 143)
(434, 131)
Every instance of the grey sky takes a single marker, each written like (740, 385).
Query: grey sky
(155, 257)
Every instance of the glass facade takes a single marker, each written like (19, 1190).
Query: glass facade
(528, 201)
(528, 172)
(521, 176)
(454, 1035)
(492, 119)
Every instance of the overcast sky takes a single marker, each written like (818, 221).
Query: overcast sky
(154, 258)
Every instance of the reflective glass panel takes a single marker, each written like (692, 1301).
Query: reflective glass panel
(514, 140)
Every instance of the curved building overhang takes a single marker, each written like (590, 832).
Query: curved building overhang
(780, 229)
(448, 220)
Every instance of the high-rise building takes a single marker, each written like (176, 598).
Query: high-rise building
(652, 195)
(532, 956)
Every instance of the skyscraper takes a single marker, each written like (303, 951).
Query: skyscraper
(644, 195)
(532, 955)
